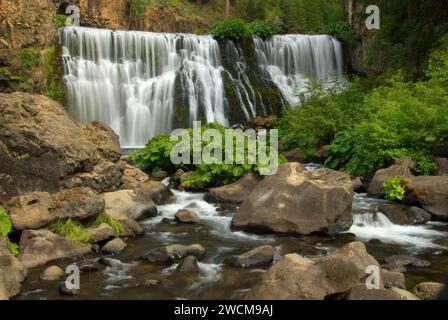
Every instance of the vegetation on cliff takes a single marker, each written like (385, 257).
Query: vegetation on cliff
(5, 229)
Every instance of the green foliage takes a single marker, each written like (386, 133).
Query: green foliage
(438, 64)
(264, 29)
(5, 229)
(232, 29)
(52, 67)
(253, 9)
(394, 189)
(71, 229)
(340, 30)
(105, 218)
(30, 56)
(60, 20)
(137, 8)
(156, 156)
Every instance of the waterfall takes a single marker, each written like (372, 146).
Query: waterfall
(128, 80)
(291, 60)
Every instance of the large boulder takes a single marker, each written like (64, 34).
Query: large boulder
(296, 200)
(233, 193)
(37, 209)
(152, 190)
(102, 232)
(297, 278)
(125, 204)
(428, 290)
(404, 215)
(254, 258)
(400, 167)
(12, 273)
(41, 146)
(174, 252)
(187, 216)
(431, 192)
(37, 247)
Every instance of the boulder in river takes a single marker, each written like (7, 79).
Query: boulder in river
(37, 209)
(188, 265)
(52, 273)
(174, 252)
(187, 216)
(360, 292)
(399, 262)
(124, 204)
(428, 290)
(12, 273)
(114, 246)
(300, 201)
(38, 247)
(254, 258)
(101, 233)
(401, 167)
(297, 278)
(404, 215)
(233, 193)
(154, 190)
(393, 279)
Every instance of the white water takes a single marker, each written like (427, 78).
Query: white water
(127, 79)
(290, 61)
(371, 224)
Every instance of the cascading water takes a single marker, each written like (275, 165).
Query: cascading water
(291, 60)
(128, 80)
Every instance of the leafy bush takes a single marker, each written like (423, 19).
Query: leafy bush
(5, 229)
(232, 29)
(393, 188)
(60, 20)
(264, 29)
(156, 156)
(71, 229)
(340, 30)
(104, 218)
(30, 56)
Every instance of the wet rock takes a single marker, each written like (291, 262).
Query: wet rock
(90, 266)
(360, 292)
(297, 278)
(38, 247)
(442, 165)
(132, 176)
(188, 265)
(66, 291)
(399, 262)
(37, 209)
(52, 273)
(293, 155)
(357, 185)
(393, 279)
(431, 192)
(44, 146)
(154, 190)
(401, 167)
(404, 215)
(187, 216)
(175, 179)
(130, 228)
(12, 273)
(233, 193)
(174, 252)
(115, 246)
(108, 262)
(124, 204)
(296, 200)
(159, 175)
(254, 258)
(427, 290)
(405, 295)
(101, 233)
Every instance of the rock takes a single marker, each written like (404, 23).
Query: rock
(187, 216)
(233, 193)
(101, 233)
(296, 200)
(188, 265)
(124, 204)
(405, 295)
(360, 292)
(42, 146)
(261, 122)
(293, 155)
(130, 228)
(321, 155)
(12, 273)
(442, 165)
(66, 291)
(428, 290)
(114, 246)
(159, 175)
(393, 279)
(399, 262)
(174, 252)
(37, 209)
(132, 176)
(431, 192)
(154, 190)
(38, 247)
(297, 278)
(254, 258)
(52, 273)
(90, 266)
(175, 179)
(357, 185)
(401, 167)
(403, 214)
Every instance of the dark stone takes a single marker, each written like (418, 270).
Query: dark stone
(188, 265)
(403, 214)
(257, 257)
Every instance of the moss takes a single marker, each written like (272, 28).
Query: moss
(30, 57)
(52, 67)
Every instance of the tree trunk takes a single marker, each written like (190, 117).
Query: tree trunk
(227, 10)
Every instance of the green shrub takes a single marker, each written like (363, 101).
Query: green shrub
(393, 188)
(137, 8)
(264, 29)
(30, 56)
(71, 229)
(60, 20)
(340, 30)
(5, 229)
(232, 29)
(104, 218)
